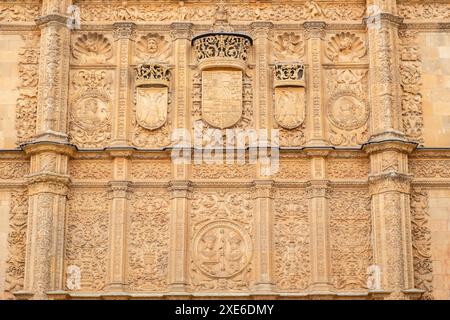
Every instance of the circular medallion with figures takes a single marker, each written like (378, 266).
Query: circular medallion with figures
(91, 109)
(222, 249)
(346, 111)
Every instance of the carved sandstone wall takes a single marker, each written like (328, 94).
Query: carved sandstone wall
(93, 206)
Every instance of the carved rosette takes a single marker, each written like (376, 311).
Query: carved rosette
(152, 105)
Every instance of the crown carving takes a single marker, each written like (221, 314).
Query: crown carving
(291, 75)
(152, 75)
(222, 49)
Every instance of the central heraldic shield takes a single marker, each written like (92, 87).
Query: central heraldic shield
(289, 106)
(151, 107)
(221, 97)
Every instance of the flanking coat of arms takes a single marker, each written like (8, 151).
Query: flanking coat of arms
(290, 96)
(152, 92)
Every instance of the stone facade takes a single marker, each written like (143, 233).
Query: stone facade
(92, 205)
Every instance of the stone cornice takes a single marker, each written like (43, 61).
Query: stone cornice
(39, 147)
(58, 18)
(315, 29)
(124, 30)
(383, 17)
(402, 146)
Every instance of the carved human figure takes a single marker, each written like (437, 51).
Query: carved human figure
(208, 249)
(73, 281)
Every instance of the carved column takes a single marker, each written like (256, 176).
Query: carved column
(47, 188)
(382, 28)
(390, 184)
(48, 180)
(264, 282)
(120, 195)
(53, 72)
(263, 93)
(124, 34)
(315, 34)
(318, 194)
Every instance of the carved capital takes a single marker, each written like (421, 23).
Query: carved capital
(382, 17)
(315, 29)
(180, 189)
(35, 148)
(44, 20)
(120, 189)
(124, 30)
(261, 29)
(318, 189)
(402, 146)
(48, 183)
(181, 30)
(264, 189)
(390, 182)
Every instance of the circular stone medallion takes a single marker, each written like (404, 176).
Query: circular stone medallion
(346, 111)
(222, 249)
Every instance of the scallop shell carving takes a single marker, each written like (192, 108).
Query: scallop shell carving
(92, 47)
(346, 47)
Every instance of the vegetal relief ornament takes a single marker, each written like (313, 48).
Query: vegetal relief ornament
(290, 95)
(152, 95)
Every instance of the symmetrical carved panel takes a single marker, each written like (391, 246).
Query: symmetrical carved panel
(221, 240)
(14, 170)
(346, 47)
(90, 170)
(19, 12)
(348, 168)
(87, 230)
(292, 240)
(288, 47)
(155, 170)
(223, 171)
(350, 229)
(430, 168)
(152, 47)
(148, 241)
(92, 48)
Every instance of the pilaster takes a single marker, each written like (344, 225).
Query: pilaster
(315, 35)
(180, 194)
(264, 193)
(318, 192)
(120, 192)
(124, 35)
(261, 32)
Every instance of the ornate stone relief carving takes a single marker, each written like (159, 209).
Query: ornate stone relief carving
(19, 12)
(424, 11)
(90, 113)
(87, 232)
(288, 47)
(148, 241)
(155, 170)
(153, 47)
(430, 168)
(411, 81)
(346, 47)
(236, 12)
(224, 171)
(15, 265)
(350, 229)
(92, 48)
(221, 240)
(26, 108)
(292, 240)
(348, 168)
(152, 106)
(14, 170)
(90, 170)
(298, 169)
(348, 110)
(421, 238)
